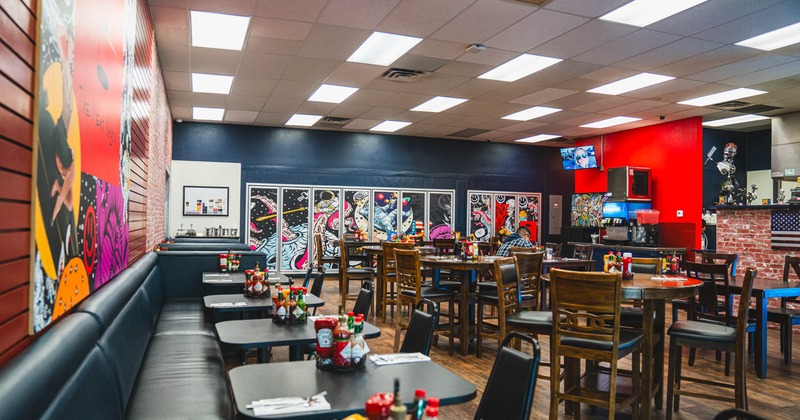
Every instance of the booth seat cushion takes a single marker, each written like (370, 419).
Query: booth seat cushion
(183, 316)
(210, 246)
(181, 377)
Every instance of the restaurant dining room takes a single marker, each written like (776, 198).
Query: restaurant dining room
(399, 209)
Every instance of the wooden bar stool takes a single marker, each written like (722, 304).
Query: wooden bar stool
(388, 289)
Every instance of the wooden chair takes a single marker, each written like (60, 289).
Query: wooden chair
(588, 328)
(631, 311)
(319, 250)
(487, 248)
(556, 247)
(410, 291)
(421, 327)
(445, 246)
(509, 390)
(714, 336)
(647, 265)
(729, 260)
(388, 289)
(787, 317)
(364, 299)
(358, 271)
(583, 252)
(531, 265)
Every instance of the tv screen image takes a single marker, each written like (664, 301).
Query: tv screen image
(581, 157)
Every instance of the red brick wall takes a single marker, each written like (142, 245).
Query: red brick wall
(746, 232)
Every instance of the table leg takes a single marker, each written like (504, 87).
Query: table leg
(379, 287)
(296, 353)
(463, 315)
(658, 370)
(648, 326)
(761, 334)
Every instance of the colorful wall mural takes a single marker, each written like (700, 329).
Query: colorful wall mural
(587, 209)
(502, 213)
(81, 152)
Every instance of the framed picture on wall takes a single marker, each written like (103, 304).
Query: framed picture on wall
(205, 201)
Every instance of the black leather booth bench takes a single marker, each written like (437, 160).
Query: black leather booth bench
(138, 348)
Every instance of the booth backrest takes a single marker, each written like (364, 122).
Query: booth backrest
(184, 269)
(206, 246)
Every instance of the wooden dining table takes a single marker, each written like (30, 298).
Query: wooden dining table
(653, 294)
(377, 252)
(763, 290)
(470, 268)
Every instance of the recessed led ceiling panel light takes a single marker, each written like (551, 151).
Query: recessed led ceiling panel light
(773, 40)
(628, 84)
(735, 120)
(610, 122)
(728, 95)
(303, 120)
(209, 114)
(383, 49)
(522, 66)
(537, 138)
(332, 94)
(531, 113)
(644, 12)
(215, 30)
(211, 83)
(439, 104)
(390, 126)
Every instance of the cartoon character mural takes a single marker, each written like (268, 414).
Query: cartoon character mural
(480, 216)
(413, 212)
(81, 151)
(587, 209)
(505, 212)
(294, 229)
(385, 216)
(441, 216)
(326, 220)
(263, 229)
(355, 211)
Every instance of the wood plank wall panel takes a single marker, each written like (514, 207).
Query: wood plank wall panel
(17, 34)
(18, 20)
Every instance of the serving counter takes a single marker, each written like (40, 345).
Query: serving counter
(636, 251)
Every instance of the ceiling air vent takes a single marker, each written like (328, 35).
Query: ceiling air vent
(730, 105)
(403, 75)
(468, 132)
(534, 2)
(334, 120)
(757, 109)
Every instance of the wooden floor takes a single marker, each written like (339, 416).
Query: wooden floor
(777, 397)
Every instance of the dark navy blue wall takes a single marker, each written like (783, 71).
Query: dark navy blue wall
(752, 154)
(759, 145)
(312, 157)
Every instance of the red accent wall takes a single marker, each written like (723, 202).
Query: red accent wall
(673, 151)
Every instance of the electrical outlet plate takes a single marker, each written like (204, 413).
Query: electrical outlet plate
(680, 213)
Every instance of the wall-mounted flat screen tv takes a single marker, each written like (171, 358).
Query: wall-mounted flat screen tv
(581, 157)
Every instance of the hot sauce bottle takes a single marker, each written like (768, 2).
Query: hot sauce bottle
(324, 327)
(342, 352)
(291, 306)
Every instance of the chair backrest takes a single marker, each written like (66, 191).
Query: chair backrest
(646, 265)
(319, 250)
(487, 248)
(583, 252)
(743, 316)
(531, 265)
(514, 249)
(791, 264)
(408, 275)
(389, 261)
(729, 260)
(715, 282)
(307, 278)
(419, 335)
(586, 305)
(506, 274)
(316, 286)
(509, 389)
(445, 246)
(364, 298)
(556, 247)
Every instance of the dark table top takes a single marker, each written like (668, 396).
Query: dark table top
(248, 333)
(251, 303)
(238, 277)
(348, 391)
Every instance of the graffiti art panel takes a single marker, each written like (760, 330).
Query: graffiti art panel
(413, 213)
(327, 211)
(294, 228)
(440, 222)
(480, 216)
(262, 232)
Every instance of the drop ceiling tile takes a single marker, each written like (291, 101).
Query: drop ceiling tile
(442, 119)
(578, 84)
(410, 116)
(627, 46)
(633, 107)
(382, 113)
(560, 116)
(490, 57)
(662, 56)
(315, 108)
(586, 8)
(252, 86)
(246, 103)
(561, 72)
(433, 84)
(177, 98)
(471, 89)
(748, 65)
(261, 45)
(460, 68)
(421, 17)
(304, 69)
(239, 7)
(481, 21)
(349, 111)
(177, 80)
(279, 29)
(707, 60)
(583, 38)
(370, 97)
(354, 14)
(362, 124)
(417, 129)
(211, 100)
(266, 66)
(244, 117)
(756, 23)
(287, 89)
(174, 57)
(488, 109)
(471, 121)
(300, 10)
(332, 42)
(520, 127)
(207, 60)
(272, 119)
(170, 17)
(507, 125)
(549, 24)
(655, 92)
(608, 74)
(542, 96)
(282, 106)
(695, 112)
(172, 37)
(503, 92)
(419, 62)
(181, 112)
(709, 15)
(604, 103)
(665, 110)
(441, 131)
(354, 74)
(181, 4)
(404, 100)
(441, 49)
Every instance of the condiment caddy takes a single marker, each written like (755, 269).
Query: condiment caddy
(289, 305)
(341, 345)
